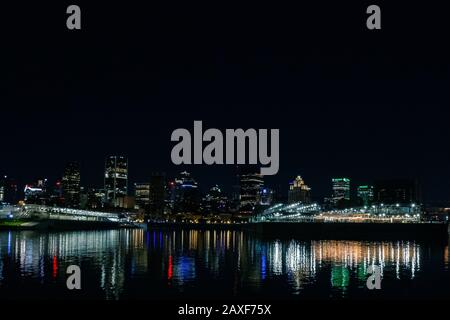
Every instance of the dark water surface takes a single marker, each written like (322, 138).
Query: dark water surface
(138, 264)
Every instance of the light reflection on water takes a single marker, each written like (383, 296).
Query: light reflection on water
(146, 264)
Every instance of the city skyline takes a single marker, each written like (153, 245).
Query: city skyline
(338, 188)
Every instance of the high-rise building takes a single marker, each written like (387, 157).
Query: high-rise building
(157, 194)
(2, 188)
(8, 190)
(401, 191)
(151, 196)
(250, 184)
(142, 194)
(71, 185)
(341, 190)
(215, 202)
(299, 191)
(116, 179)
(94, 199)
(125, 202)
(365, 195)
(186, 195)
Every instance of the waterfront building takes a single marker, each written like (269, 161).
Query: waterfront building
(157, 194)
(34, 194)
(215, 202)
(70, 185)
(341, 191)
(142, 194)
(116, 179)
(250, 185)
(125, 202)
(8, 190)
(365, 195)
(186, 194)
(299, 191)
(93, 199)
(401, 191)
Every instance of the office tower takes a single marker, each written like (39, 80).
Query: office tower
(157, 194)
(186, 195)
(215, 202)
(365, 195)
(142, 194)
(170, 189)
(94, 198)
(341, 192)
(250, 184)
(401, 191)
(9, 190)
(125, 202)
(299, 191)
(116, 179)
(71, 185)
(2, 188)
(341, 189)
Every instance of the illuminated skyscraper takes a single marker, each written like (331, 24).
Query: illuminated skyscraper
(2, 189)
(116, 179)
(186, 195)
(215, 202)
(71, 185)
(365, 195)
(341, 190)
(299, 191)
(8, 190)
(142, 194)
(250, 185)
(151, 196)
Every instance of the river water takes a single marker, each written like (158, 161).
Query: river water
(190, 264)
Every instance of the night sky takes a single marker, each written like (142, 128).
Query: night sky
(348, 101)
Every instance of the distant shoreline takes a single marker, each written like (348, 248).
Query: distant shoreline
(326, 230)
(43, 225)
(278, 230)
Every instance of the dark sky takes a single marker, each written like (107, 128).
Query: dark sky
(348, 101)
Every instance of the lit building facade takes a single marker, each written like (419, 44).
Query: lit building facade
(299, 191)
(116, 179)
(250, 184)
(341, 190)
(34, 194)
(365, 194)
(93, 199)
(71, 185)
(2, 188)
(142, 194)
(215, 202)
(186, 194)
